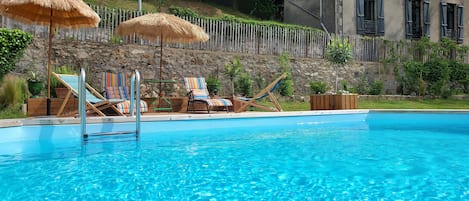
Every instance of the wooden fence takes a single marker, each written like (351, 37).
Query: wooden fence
(224, 36)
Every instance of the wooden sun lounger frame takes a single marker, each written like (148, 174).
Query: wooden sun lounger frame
(97, 107)
(267, 90)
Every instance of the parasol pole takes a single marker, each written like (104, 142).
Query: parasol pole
(161, 62)
(49, 53)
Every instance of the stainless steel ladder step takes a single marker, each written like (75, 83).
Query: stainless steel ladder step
(134, 101)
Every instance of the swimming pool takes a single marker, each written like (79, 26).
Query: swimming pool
(395, 156)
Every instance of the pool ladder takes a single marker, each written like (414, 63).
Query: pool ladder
(134, 98)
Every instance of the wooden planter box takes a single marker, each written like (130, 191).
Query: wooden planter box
(179, 104)
(334, 102)
(38, 106)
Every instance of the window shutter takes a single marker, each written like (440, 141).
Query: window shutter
(380, 18)
(426, 18)
(460, 23)
(444, 20)
(360, 16)
(408, 18)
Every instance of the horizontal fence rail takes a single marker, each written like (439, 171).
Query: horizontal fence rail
(226, 36)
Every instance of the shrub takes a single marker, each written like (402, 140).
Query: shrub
(459, 72)
(345, 85)
(363, 86)
(317, 87)
(12, 46)
(376, 87)
(264, 9)
(243, 85)
(13, 91)
(213, 85)
(437, 74)
(411, 71)
(286, 86)
(232, 70)
(182, 12)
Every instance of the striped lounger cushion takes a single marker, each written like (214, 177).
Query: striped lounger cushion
(124, 107)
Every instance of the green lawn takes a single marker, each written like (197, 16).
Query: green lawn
(418, 104)
(385, 104)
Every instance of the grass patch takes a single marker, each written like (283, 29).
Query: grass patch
(417, 104)
(386, 104)
(12, 113)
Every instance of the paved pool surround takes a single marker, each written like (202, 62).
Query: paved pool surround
(52, 120)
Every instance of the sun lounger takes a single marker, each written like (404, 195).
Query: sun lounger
(197, 91)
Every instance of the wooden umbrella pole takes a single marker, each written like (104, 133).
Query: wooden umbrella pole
(49, 53)
(161, 63)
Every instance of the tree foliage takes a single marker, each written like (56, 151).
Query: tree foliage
(286, 86)
(12, 46)
(339, 52)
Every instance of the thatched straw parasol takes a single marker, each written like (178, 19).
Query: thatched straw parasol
(53, 13)
(163, 27)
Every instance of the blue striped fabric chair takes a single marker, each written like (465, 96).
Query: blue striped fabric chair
(95, 102)
(197, 91)
(115, 87)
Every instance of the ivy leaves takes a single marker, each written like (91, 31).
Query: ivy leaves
(12, 46)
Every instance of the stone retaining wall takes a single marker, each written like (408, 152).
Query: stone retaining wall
(179, 63)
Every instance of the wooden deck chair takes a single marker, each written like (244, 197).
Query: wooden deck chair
(266, 92)
(95, 102)
(115, 86)
(197, 91)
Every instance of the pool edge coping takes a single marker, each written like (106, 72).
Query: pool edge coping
(197, 116)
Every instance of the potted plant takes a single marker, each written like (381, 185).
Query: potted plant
(213, 85)
(35, 85)
(339, 53)
(59, 90)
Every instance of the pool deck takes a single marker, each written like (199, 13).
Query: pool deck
(52, 120)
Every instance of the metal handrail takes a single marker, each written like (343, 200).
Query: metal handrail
(135, 98)
(81, 102)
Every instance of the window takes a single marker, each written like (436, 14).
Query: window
(370, 17)
(452, 17)
(370, 10)
(417, 18)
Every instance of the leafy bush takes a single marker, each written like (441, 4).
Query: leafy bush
(232, 70)
(437, 74)
(13, 91)
(411, 71)
(317, 87)
(459, 76)
(213, 85)
(376, 87)
(363, 86)
(179, 11)
(243, 85)
(12, 46)
(264, 9)
(286, 86)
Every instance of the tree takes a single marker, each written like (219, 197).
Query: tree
(232, 70)
(339, 53)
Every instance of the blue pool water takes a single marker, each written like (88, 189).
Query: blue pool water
(388, 156)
